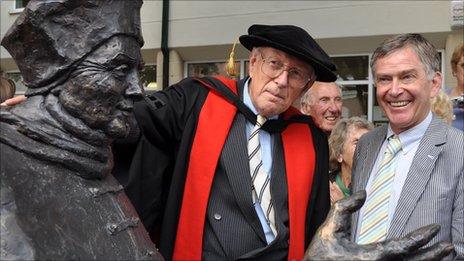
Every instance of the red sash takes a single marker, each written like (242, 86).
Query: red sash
(214, 123)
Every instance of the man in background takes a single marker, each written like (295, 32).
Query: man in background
(323, 102)
(412, 168)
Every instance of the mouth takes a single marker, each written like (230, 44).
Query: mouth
(398, 104)
(275, 96)
(331, 118)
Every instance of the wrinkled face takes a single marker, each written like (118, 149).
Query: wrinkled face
(459, 72)
(273, 96)
(404, 89)
(352, 137)
(324, 105)
(100, 90)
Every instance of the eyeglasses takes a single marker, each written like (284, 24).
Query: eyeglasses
(273, 68)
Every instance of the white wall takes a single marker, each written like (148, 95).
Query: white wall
(201, 30)
(197, 23)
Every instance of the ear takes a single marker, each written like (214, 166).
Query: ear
(436, 84)
(304, 109)
(340, 158)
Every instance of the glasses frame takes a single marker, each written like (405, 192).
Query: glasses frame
(284, 69)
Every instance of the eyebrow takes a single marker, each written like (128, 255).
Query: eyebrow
(399, 73)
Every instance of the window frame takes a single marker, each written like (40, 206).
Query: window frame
(242, 73)
(15, 9)
(156, 72)
(16, 88)
(369, 82)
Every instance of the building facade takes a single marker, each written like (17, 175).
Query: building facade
(200, 35)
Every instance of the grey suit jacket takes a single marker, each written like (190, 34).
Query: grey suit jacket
(433, 190)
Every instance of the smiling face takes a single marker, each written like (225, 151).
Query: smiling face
(324, 105)
(100, 90)
(273, 96)
(404, 89)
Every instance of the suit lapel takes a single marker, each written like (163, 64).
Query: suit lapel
(418, 176)
(237, 169)
(366, 161)
(372, 152)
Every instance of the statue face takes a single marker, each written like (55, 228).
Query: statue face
(100, 91)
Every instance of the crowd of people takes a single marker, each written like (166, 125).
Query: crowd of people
(228, 169)
(418, 186)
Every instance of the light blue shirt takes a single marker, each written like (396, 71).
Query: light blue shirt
(410, 140)
(266, 154)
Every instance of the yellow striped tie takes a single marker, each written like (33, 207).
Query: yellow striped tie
(375, 216)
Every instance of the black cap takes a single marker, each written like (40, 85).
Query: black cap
(294, 41)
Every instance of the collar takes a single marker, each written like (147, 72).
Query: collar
(249, 103)
(410, 137)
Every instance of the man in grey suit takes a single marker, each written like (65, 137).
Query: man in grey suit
(412, 168)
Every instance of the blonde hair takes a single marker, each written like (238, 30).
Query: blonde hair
(457, 54)
(441, 105)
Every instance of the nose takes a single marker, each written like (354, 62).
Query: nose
(134, 89)
(334, 106)
(282, 79)
(395, 88)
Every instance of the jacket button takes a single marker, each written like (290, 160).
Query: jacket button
(217, 216)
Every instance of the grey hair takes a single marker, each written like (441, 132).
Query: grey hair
(426, 52)
(339, 135)
(306, 98)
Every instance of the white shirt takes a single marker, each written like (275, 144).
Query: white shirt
(266, 154)
(410, 140)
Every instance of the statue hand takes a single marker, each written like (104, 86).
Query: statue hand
(332, 240)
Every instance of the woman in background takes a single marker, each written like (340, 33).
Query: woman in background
(442, 106)
(342, 143)
(456, 94)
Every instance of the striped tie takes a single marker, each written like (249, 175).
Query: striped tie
(259, 178)
(375, 216)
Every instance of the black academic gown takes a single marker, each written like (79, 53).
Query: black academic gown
(167, 120)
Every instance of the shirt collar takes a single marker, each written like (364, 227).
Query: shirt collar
(247, 100)
(409, 137)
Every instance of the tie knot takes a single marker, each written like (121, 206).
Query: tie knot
(394, 144)
(260, 120)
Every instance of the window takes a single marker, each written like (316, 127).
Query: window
(353, 76)
(21, 3)
(17, 78)
(148, 78)
(201, 69)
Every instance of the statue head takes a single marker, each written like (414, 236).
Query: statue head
(86, 52)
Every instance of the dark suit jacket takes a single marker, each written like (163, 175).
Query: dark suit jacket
(433, 190)
(157, 178)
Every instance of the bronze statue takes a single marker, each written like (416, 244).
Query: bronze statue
(80, 60)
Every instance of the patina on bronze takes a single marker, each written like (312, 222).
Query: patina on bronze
(80, 61)
(332, 239)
